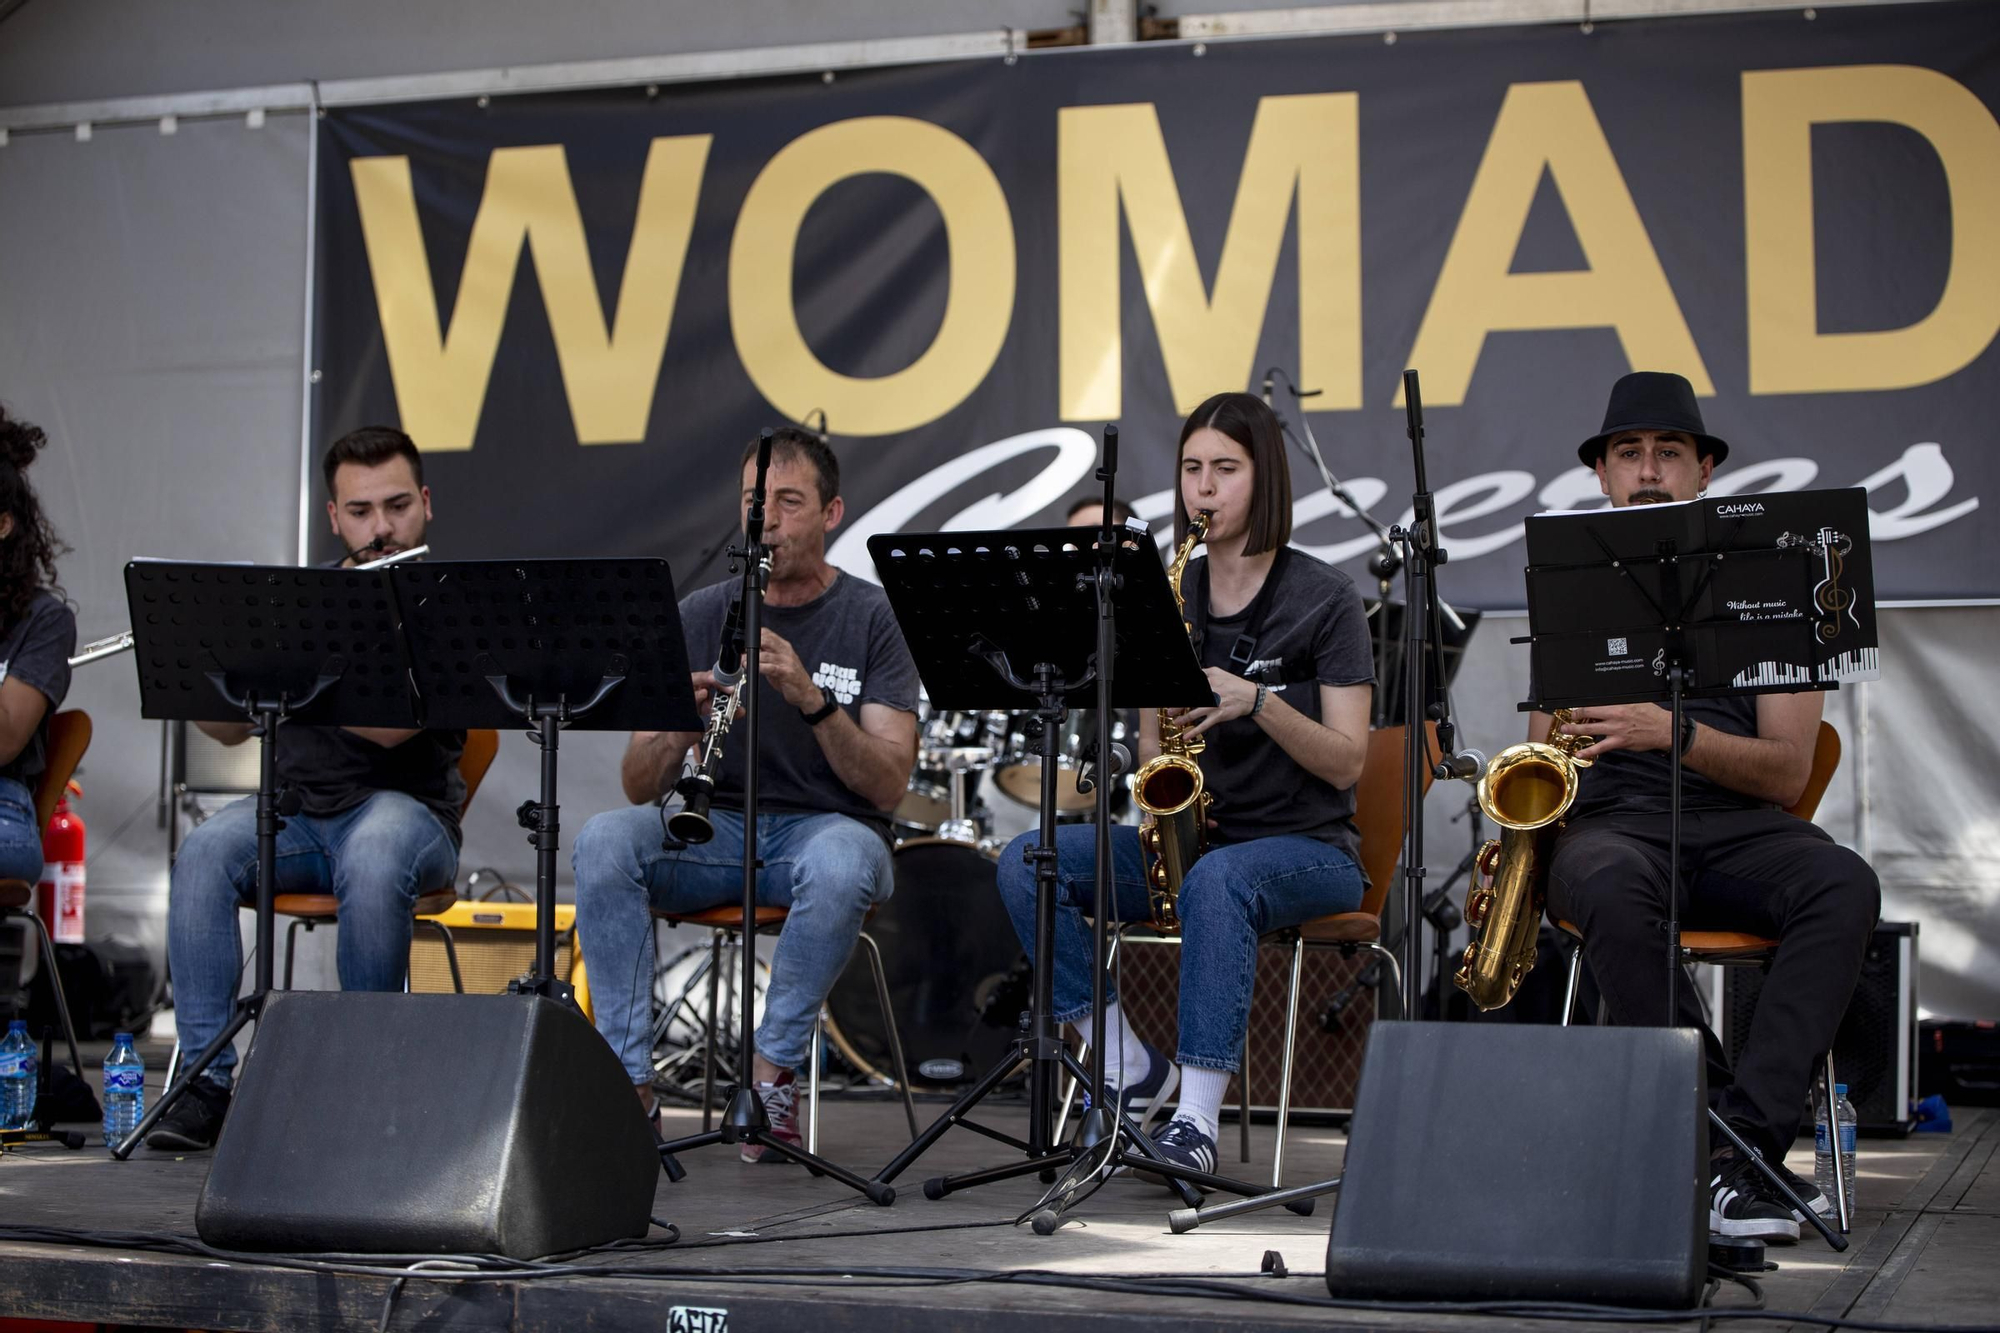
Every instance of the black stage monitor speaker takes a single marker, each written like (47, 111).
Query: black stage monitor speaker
(1520, 1162)
(434, 1124)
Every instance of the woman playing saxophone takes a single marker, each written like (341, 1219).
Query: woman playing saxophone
(1284, 644)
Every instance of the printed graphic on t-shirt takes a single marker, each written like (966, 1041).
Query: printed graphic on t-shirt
(845, 682)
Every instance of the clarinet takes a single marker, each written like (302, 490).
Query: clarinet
(690, 824)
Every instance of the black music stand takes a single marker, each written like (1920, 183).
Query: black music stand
(972, 606)
(229, 643)
(590, 645)
(1701, 600)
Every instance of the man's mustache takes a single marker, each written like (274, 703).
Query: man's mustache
(1650, 495)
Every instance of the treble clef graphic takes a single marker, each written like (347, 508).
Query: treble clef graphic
(1828, 595)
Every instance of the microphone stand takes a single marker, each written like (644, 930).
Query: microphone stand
(1423, 638)
(744, 1119)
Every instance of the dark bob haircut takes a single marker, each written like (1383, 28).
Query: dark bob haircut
(1245, 419)
(789, 442)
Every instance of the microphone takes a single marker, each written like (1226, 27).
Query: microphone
(1467, 765)
(1267, 385)
(379, 544)
(1088, 774)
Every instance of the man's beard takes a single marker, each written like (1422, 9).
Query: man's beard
(1649, 495)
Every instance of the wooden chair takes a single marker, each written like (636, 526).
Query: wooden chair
(322, 909)
(1378, 819)
(69, 737)
(727, 923)
(1732, 948)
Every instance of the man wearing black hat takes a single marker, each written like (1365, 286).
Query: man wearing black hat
(1745, 864)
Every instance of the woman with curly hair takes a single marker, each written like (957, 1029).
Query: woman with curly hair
(37, 636)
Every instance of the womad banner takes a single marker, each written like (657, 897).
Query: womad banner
(584, 305)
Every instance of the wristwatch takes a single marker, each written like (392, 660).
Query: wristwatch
(827, 708)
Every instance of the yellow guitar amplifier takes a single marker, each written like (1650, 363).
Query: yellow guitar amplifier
(495, 943)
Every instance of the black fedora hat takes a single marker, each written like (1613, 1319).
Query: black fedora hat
(1652, 400)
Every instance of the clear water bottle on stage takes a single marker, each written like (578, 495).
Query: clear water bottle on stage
(1823, 1149)
(124, 1089)
(18, 1077)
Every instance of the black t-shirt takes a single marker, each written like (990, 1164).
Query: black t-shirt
(1637, 782)
(848, 638)
(1309, 626)
(36, 649)
(334, 770)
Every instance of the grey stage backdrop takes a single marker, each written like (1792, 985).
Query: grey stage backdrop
(152, 294)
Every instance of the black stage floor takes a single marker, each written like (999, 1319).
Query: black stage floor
(1926, 1250)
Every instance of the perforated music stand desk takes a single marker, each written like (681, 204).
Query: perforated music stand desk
(1028, 594)
(266, 645)
(549, 644)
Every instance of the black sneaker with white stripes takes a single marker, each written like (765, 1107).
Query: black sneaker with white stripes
(1182, 1143)
(1744, 1203)
(1809, 1193)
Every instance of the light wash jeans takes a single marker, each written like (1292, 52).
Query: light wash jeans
(1232, 895)
(20, 840)
(828, 869)
(376, 859)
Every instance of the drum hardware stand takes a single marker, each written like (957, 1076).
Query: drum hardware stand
(744, 1119)
(1104, 1139)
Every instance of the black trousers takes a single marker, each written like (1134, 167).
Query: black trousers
(1761, 871)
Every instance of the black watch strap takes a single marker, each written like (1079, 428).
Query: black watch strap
(827, 708)
(1687, 734)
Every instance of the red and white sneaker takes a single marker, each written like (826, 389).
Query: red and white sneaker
(781, 1108)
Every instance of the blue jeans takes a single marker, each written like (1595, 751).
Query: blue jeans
(20, 840)
(1232, 895)
(376, 859)
(828, 869)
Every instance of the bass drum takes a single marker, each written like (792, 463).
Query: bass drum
(958, 979)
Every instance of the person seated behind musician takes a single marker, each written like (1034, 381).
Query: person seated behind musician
(1746, 865)
(378, 821)
(1088, 512)
(837, 740)
(37, 636)
(1281, 762)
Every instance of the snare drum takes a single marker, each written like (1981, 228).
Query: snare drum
(956, 972)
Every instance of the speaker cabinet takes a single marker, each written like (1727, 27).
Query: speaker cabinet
(1495, 1161)
(1328, 1063)
(383, 1123)
(1875, 1050)
(495, 943)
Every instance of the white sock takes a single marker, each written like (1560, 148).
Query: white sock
(1202, 1091)
(1124, 1053)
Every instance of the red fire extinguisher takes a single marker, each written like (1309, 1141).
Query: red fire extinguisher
(62, 871)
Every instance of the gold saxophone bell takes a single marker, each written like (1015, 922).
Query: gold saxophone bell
(1169, 786)
(1526, 790)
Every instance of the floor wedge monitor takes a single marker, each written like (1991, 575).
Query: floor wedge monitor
(384, 1123)
(1521, 1162)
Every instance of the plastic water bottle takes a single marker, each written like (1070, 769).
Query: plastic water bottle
(124, 1089)
(1823, 1148)
(19, 1070)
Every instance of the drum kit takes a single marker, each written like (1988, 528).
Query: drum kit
(958, 979)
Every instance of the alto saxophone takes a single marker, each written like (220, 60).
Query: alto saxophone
(1526, 790)
(1169, 786)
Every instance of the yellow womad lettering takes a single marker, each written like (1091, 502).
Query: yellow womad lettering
(609, 373)
(1113, 154)
(1549, 126)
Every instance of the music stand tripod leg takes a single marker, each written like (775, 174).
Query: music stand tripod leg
(265, 715)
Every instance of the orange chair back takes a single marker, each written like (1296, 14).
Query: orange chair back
(69, 737)
(481, 744)
(1378, 810)
(1826, 758)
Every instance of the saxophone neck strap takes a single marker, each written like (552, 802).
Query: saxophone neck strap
(1243, 651)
